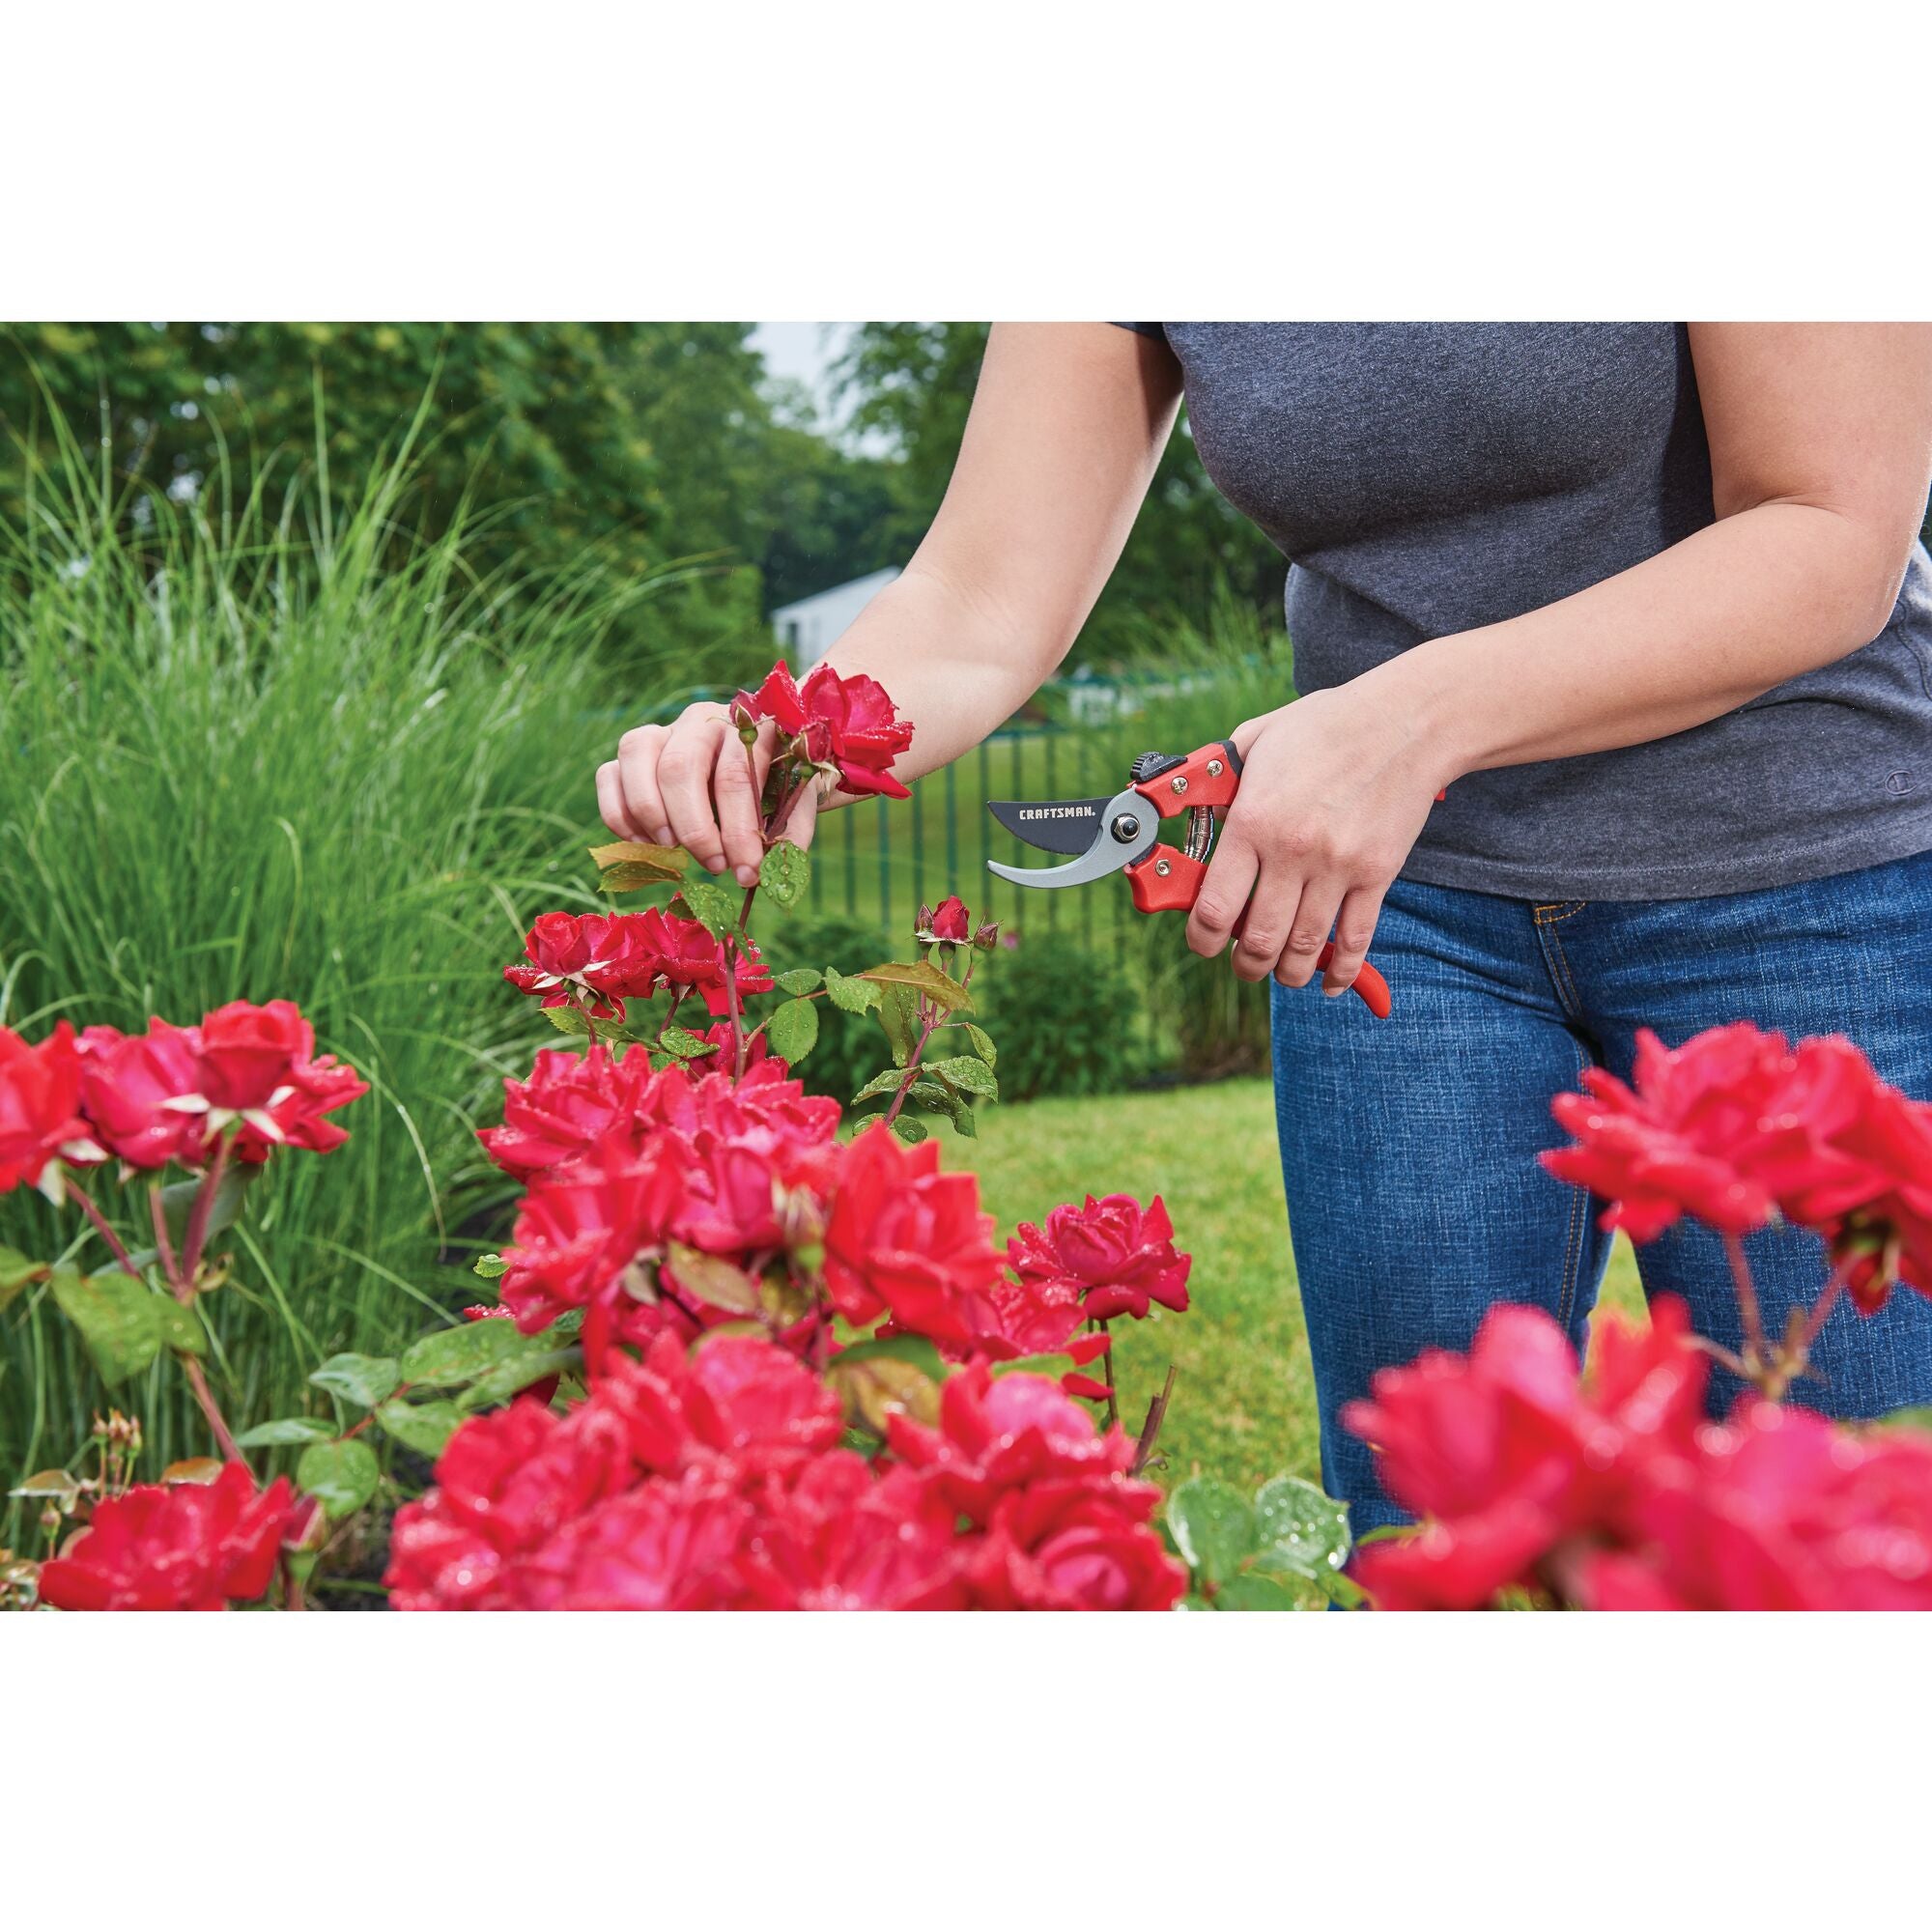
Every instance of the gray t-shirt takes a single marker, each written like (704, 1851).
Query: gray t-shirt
(1428, 477)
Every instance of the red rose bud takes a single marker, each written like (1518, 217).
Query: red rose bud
(986, 937)
(950, 921)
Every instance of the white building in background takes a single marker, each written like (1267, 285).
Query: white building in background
(807, 628)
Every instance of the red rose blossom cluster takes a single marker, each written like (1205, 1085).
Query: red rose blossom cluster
(179, 1546)
(712, 1478)
(169, 1093)
(600, 960)
(848, 723)
(1737, 1125)
(1613, 1493)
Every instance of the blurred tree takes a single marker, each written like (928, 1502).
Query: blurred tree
(651, 442)
(911, 383)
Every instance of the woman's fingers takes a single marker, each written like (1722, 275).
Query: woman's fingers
(638, 754)
(1264, 930)
(804, 820)
(684, 777)
(1224, 892)
(738, 782)
(1308, 930)
(611, 802)
(1354, 928)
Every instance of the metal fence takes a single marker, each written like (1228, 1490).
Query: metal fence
(880, 859)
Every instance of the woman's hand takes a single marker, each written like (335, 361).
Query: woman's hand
(691, 784)
(1333, 793)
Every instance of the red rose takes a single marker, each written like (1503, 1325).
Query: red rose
(904, 1238)
(247, 1053)
(999, 1433)
(142, 1094)
(1076, 1546)
(184, 1546)
(580, 1226)
(847, 723)
(662, 1547)
(1725, 1128)
(1510, 1457)
(293, 1117)
(951, 922)
(610, 956)
(570, 1102)
(688, 957)
(40, 1106)
(506, 1482)
(1116, 1254)
(1785, 1510)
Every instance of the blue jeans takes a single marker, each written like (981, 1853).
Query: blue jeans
(1408, 1144)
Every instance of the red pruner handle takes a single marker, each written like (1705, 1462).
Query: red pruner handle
(1209, 776)
(1368, 983)
(1170, 881)
(1166, 880)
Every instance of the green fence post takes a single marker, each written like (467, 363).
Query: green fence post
(1052, 791)
(918, 879)
(952, 828)
(852, 862)
(885, 868)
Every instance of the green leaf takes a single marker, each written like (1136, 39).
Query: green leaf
(118, 1319)
(663, 862)
(851, 995)
(682, 1045)
(711, 906)
(909, 1131)
(898, 1016)
(799, 981)
(963, 1123)
(567, 1019)
(341, 1476)
(631, 877)
(972, 1076)
(448, 1355)
(784, 872)
(281, 1434)
(1300, 1532)
(717, 1282)
(880, 1083)
(490, 1267)
(613, 1033)
(423, 1426)
(982, 1044)
(181, 1327)
(920, 976)
(793, 1029)
(912, 1348)
(361, 1380)
(16, 1273)
(1252, 1591)
(1213, 1528)
(510, 1378)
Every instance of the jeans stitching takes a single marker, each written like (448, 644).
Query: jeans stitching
(1557, 912)
(1557, 965)
(1573, 1246)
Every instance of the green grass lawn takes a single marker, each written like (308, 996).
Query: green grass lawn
(1244, 1403)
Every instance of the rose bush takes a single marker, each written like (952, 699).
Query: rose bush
(753, 1350)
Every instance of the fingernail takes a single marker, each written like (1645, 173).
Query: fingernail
(663, 836)
(714, 865)
(1333, 992)
(748, 875)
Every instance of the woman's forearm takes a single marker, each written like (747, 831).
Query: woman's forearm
(957, 666)
(1689, 634)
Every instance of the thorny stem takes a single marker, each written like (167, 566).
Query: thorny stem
(1107, 1362)
(114, 1242)
(1748, 1308)
(205, 1396)
(164, 1244)
(1150, 1428)
(929, 1022)
(204, 1207)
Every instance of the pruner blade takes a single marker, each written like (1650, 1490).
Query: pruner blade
(1125, 828)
